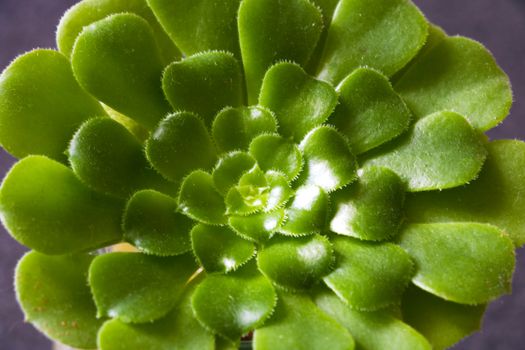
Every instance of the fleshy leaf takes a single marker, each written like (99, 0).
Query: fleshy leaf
(329, 163)
(251, 194)
(138, 288)
(204, 83)
(89, 11)
(296, 262)
(199, 25)
(307, 214)
(376, 330)
(370, 113)
(467, 263)
(45, 207)
(369, 276)
(117, 60)
(241, 302)
(257, 227)
(371, 209)
(275, 30)
(327, 8)
(442, 322)
(179, 145)
(33, 116)
(299, 324)
(230, 168)
(53, 294)
(299, 101)
(384, 35)
(219, 249)
(152, 224)
(441, 151)
(279, 190)
(273, 152)
(234, 128)
(496, 197)
(109, 159)
(458, 74)
(199, 199)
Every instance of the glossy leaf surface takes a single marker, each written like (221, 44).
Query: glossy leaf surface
(257, 227)
(274, 152)
(230, 168)
(307, 213)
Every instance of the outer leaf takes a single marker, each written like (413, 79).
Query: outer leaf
(152, 224)
(370, 113)
(299, 101)
(219, 249)
(45, 207)
(257, 227)
(241, 301)
(299, 324)
(204, 83)
(443, 323)
(273, 152)
(87, 12)
(296, 263)
(459, 74)
(329, 163)
(33, 116)
(230, 168)
(53, 293)
(385, 35)
(307, 214)
(369, 276)
(372, 209)
(441, 151)
(274, 30)
(179, 145)
(372, 330)
(117, 60)
(495, 197)
(467, 263)
(106, 157)
(234, 128)
(138, 288)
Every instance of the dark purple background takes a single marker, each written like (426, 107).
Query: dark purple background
(499, 24)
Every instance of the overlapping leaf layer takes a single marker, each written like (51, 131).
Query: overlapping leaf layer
(314, 172)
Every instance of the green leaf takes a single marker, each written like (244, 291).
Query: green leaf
(275, 30)
(152, 224)
(441, 151)
(241, 302)
(494, 198)
(376, 330)
(372, 209)
(204, 83)
(33, 116)
(279, 190)
(46, 208)
(329, 163)
(384, 35)
(307, 214)
(258, 227)
(138, 288)
(179, 145)
(458, 74)
(199, 199)
(250, 196)
(273, 152)
(296, 262)
(230, 168)
(298, 324)
(443, 323)
(53, 294)
(87, 12)
(299, 101)
(369, 276)
(219, 249)
(117, 60)
(109, 159)
(467, 263)
(234, 128)
(369, 113)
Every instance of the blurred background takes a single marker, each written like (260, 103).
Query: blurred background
(498, 24)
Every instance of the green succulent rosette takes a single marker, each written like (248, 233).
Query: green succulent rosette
(314, 172)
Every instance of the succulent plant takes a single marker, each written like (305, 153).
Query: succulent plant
(314, 172)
